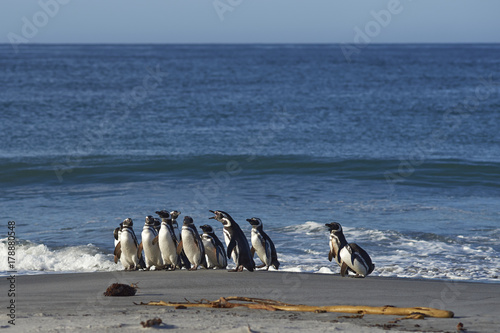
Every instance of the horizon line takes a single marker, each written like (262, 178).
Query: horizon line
(249, 43)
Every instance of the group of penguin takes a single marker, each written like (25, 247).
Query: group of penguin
(167, 247)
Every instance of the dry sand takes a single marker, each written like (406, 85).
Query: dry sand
(75, 302)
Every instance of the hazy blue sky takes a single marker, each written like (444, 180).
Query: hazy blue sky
(248, 21)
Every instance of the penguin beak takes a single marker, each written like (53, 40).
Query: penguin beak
(213, 217)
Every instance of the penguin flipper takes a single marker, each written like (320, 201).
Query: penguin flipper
(251, 265)
(184, 260)
(330, 255)
(179, 248)
(343, 269)
(276, 264)
(268, 252)
(203, 262)
(118, 252)
(252, 251)
(155, 240)
(230, 247)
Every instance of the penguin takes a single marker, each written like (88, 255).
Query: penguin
(214, 250)
(128, 250)
(192, 245)
(174, 215)
(263, 245)
(237, 243)
(150, 244)
(168, 242)
(350, 256)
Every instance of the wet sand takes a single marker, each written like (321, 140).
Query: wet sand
(75, 302)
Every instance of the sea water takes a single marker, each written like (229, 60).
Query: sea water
(398, 143)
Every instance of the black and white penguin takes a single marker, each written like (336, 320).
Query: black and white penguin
(128, 249)
(168, 242)
(149, 236)
(214, 250)
(237, 243)
(263, 245)
(192, 245)
(350, 256)
(174, 215)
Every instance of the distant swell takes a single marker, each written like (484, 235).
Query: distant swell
(117, 169)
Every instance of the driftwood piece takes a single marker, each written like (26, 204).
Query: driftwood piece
(272, 305)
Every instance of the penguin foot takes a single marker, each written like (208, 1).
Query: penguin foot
(193, 268)
(260, 266)
(240, 268)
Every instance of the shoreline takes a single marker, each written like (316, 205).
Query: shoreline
(371, 276)
(75, 301)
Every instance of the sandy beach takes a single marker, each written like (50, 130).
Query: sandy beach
(75, 302)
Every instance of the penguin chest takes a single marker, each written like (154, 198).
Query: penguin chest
(167, 245)
(334, 249)
(227, 236)
(151, 249)
(235, 255)
(210, 251)
(191, 246)
(262, 248)
(129, 249)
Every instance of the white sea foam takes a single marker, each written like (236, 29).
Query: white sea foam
(34, 258)
(396, 254)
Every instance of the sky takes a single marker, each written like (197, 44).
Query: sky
(249, 21)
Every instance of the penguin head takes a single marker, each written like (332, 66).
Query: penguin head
(115, 233)
(255, 222)
(150, 220)
(163, 214)
(207, 229)
(127, 222)
(188, 220)
(175, 214)
(157, 222)
(334, 227)
(222, 217)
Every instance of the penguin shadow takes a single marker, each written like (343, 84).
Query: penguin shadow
(164, 326)
(149, 294)
(161, 326)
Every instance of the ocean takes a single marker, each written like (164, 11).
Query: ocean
(399, 144)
